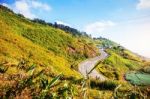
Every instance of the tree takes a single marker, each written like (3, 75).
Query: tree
(39, 21)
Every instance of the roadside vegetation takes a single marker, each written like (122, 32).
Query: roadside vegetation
(30, 82)
(40, 60)
(140, 77)
(119, 61)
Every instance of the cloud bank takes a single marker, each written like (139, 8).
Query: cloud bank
(63, 23)
(98, 27)
(143, 4)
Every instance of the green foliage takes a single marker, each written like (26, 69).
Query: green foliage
(68, 90)
(106, 85)
(116, 65)
(46, 85)
(5, 8)
(146, 69)
(3, 69)
(133, 92)
(105, 43)
(53, 81)
(34, 55)
(43, 45)
(40, 44)
(31, 68)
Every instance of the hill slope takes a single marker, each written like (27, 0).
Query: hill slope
(22, 39)
(38, 61)
(119, 61)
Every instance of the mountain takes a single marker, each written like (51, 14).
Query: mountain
(40, 60)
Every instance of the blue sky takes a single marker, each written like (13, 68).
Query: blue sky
(124, 21)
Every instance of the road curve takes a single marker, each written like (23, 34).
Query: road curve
(86, 66)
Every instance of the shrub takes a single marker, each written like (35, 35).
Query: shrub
(146, 69)
(20, 15)
(106, 85)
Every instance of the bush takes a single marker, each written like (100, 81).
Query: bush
(106, 85)
(20, 15)
(147, 69)
(6, 8)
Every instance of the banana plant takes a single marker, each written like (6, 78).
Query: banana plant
(48, 85)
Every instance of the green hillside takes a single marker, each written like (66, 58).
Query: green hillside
(40, 61)
(119, 60)
(140, 77)
(105, 43)
(42, 48)
(40, 44)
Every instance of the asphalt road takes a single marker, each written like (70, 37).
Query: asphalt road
(86, 66)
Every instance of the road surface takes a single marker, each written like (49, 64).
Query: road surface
(86, 66)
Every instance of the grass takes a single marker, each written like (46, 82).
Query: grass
(45, 46)
(116, 65)
(33, 55)
(48, 50)
(56, 40)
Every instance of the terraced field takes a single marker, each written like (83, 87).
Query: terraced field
(138, 78)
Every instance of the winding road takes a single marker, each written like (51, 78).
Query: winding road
(87, 65)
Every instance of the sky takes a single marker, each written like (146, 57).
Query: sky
(126, 22)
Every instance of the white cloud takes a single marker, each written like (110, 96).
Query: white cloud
(26, 7)
(136, 38)
(6, 5)
(98, 27)
(44, 6)
(143, 4)
(63, 23)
